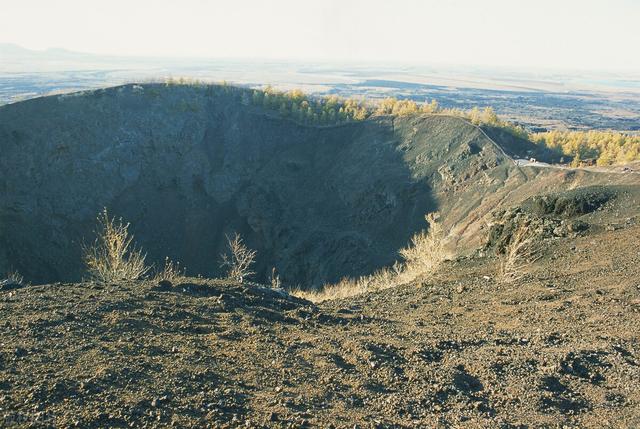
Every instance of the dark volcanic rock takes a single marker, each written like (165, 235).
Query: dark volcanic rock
(188, 165)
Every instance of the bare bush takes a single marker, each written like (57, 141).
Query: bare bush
(239, 259)
(12, 278)
(521, 252)
(275, 279)
(171, 272)
(112, 257)
(422, 257)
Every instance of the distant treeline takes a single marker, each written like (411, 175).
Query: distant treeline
(600, 147)
(332, 110)
(300, 107)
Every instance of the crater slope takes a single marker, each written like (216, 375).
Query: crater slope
(188, 165)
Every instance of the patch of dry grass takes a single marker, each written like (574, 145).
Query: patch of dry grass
(420, 258)
(171, 272)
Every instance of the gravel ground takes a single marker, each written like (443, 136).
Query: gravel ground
(558, 348)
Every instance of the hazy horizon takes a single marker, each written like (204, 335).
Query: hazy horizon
(571, 35)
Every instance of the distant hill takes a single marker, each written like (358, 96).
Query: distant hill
(16, 59)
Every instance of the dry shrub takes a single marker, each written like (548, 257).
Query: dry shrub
(112, 258)
(239, 259)
(426, 250)
(12, 278)
(171, 272)
(275, 279)
(521, 252)
(421, 257)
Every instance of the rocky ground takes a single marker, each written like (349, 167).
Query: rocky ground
(560, 347)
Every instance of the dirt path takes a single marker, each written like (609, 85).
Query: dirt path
(608, 170)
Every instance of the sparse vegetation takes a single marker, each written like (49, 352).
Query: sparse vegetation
(519, 254)
(112, 257)
(486, 117)
(275, 279)
(426, 250)
(12, 278)
(421, 257)
(566, 344)
(239, 259)
(171, 272)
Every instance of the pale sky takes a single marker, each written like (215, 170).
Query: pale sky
(574, 34)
